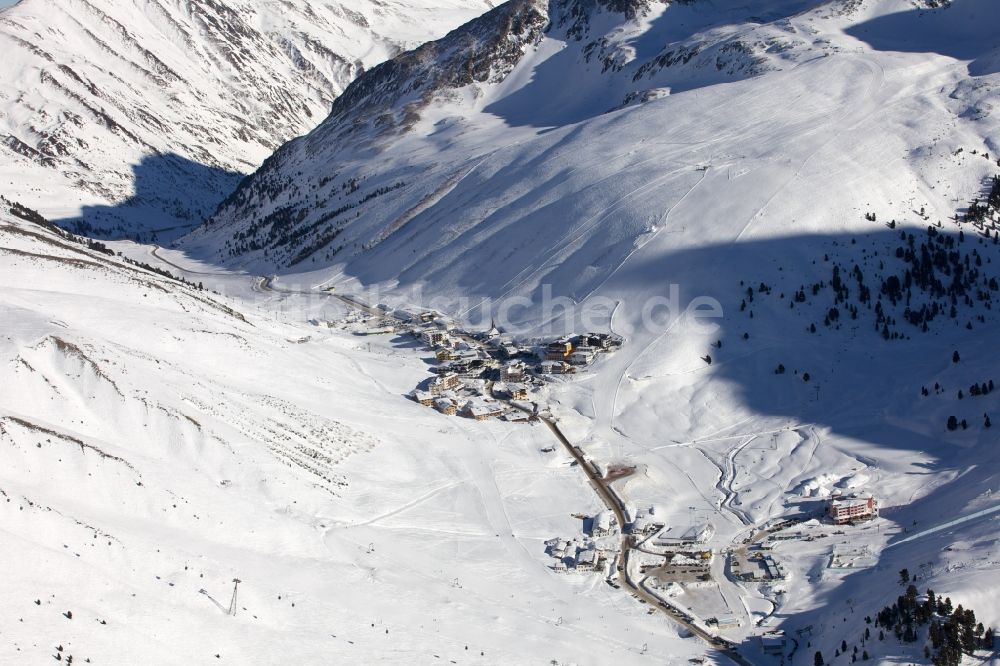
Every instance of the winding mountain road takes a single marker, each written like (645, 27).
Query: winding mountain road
(603, 490)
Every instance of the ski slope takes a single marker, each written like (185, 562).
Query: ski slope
(642, 197)
(733, 179)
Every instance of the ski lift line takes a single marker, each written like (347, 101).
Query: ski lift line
(876, 83)
(408, 505)
(585, 228)
(516, 281)
(438, 195)
(616, 174)
(156, 248)
(232, 602)
(660, 224)
(944, 526)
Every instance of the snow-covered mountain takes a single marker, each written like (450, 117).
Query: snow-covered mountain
(771, 206)
(145, 114)
(622, 165)
(531, 77)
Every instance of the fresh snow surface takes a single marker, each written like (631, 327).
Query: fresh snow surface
(158, 441)
(125, 117)
(718, 183)
(433, 527)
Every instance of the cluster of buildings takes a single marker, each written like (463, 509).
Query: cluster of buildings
(453, 395)
(565, 355)
(483, 375)
(468, 369)
(478, 375)
(589, 553)
(575, 554)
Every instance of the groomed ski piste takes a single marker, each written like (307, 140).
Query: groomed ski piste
(404, 535)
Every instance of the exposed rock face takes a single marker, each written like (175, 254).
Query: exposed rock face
(574, 16)
(484, 51)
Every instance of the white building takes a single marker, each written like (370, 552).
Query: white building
(603, 523)
(587, 559)
(446, 406)
(517, 391)
(645, 525)
(482, 410)
(444, 383)
(434, 336)
(514, 371)
(582, 356)
(512, 390)
(423, 397)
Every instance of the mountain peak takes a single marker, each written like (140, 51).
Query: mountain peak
(574, 17)
(484, 50)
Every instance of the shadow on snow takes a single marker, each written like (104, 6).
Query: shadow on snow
(966, 30)
(171, 196)
(553, 99)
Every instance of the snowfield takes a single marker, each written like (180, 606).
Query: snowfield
(803, 174)
(159, 440)
(859, 116)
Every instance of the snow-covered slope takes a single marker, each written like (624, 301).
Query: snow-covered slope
(158, 440)
(634, 161)
(500, 101)
(145, 114)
